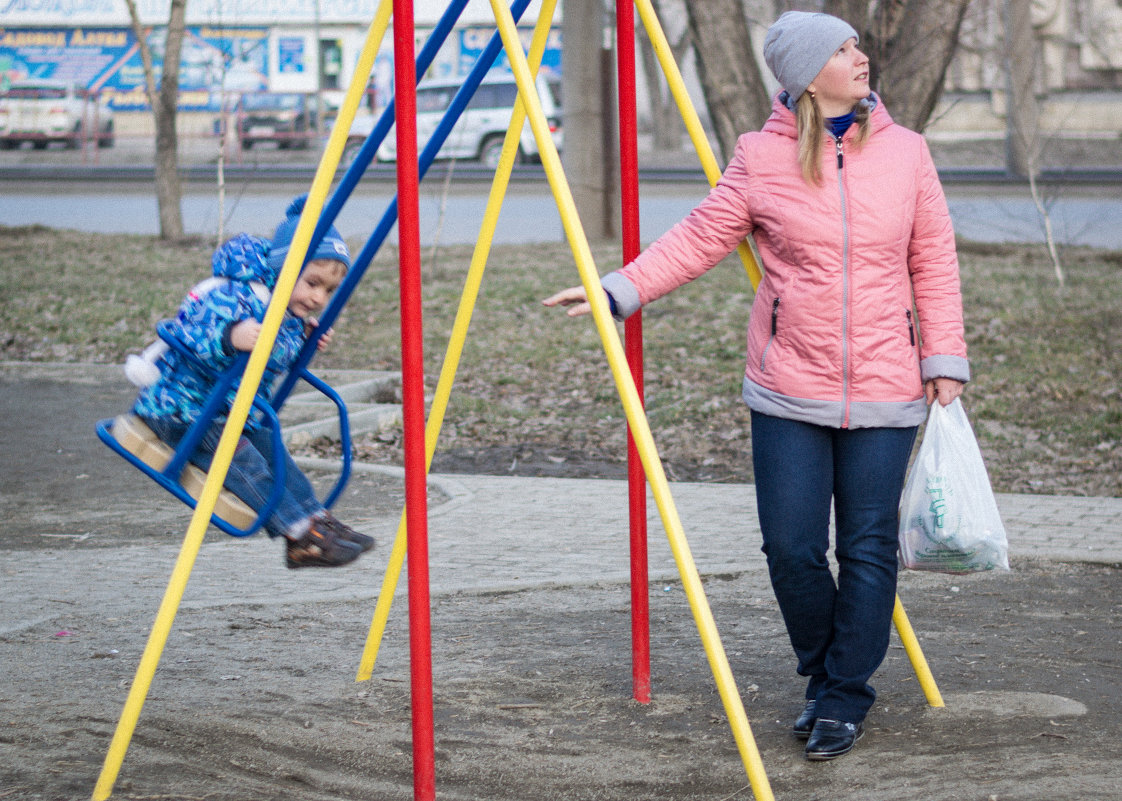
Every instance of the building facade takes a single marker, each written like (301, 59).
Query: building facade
(231, 46)
(236, 46)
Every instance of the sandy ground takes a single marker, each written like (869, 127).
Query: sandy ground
(532, 699)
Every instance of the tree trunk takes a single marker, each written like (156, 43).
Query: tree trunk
(877, 28)
(587, 75)
(1022, 109)
(726, 64)
(168, 190)
(666, 122)
(164, 106)
(856, 12)
(910, 45)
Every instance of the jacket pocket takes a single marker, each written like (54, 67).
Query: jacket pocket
(771, 336)
(911, 328)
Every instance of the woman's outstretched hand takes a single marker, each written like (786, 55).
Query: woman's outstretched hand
(574, 297)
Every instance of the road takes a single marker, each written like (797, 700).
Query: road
(986, 210)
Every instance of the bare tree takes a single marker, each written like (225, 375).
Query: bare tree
(726, 64)
(1022, 111)
(164, 103)
(665, 120)
(910, 45)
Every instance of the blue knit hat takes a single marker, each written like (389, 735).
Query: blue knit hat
(799, 44)
(331, 246)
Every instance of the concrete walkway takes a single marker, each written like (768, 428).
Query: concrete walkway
(492, 534)
(488, 533)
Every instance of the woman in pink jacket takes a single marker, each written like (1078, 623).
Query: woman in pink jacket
(855, 328)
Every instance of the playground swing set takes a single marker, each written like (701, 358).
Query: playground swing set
(212, 504)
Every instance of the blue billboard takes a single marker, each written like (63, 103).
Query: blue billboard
(474, 40)
(108, 60)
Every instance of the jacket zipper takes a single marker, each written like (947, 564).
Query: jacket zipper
(774, 330)
(911, 329)
(845, 287)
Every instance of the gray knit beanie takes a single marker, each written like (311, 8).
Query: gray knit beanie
(799, 44)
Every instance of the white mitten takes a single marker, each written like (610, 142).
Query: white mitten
(142, 370)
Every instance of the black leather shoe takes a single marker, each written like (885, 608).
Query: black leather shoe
(831, 738)
(804, 724)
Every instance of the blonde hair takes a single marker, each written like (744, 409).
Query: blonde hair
(811, 128)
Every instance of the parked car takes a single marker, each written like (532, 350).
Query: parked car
(480, 131)
(286, 118)
(42, 112)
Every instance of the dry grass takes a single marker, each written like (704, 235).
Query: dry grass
(534, 394)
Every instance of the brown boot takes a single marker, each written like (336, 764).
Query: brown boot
(319, 547)
(345, 532)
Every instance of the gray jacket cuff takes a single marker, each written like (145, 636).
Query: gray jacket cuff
(940, 366)
(623, 292)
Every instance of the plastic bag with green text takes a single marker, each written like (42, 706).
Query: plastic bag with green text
(949, 521)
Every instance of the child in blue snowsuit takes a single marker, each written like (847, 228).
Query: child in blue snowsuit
(222, 317)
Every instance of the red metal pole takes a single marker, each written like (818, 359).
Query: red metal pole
(413, 403)
(633, 347)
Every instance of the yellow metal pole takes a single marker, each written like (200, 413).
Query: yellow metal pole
(636, 417)
(689, 116)
(456, 342)
(231, 433)
(915, 654)
(713, 173)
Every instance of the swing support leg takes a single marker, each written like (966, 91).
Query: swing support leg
(456, 342)
(613, 348)
(915, 655)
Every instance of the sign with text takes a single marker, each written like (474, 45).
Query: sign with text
(234, 12)
(473, 40)
(108, 60)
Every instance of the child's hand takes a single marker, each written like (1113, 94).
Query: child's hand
(325, 340)
(243, 336)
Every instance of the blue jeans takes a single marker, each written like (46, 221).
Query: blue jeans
(251, 473)
(839, 629)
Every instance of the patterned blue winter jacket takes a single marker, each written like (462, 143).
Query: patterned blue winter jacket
(203, 325)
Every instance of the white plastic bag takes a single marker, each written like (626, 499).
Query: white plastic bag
(948, 516)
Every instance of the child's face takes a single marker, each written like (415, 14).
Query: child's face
(313, 289)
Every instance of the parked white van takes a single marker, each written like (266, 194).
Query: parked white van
(479, 132)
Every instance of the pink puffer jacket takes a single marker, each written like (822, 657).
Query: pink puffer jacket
(832, 339)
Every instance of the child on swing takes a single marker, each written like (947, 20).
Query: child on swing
(221, 318)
